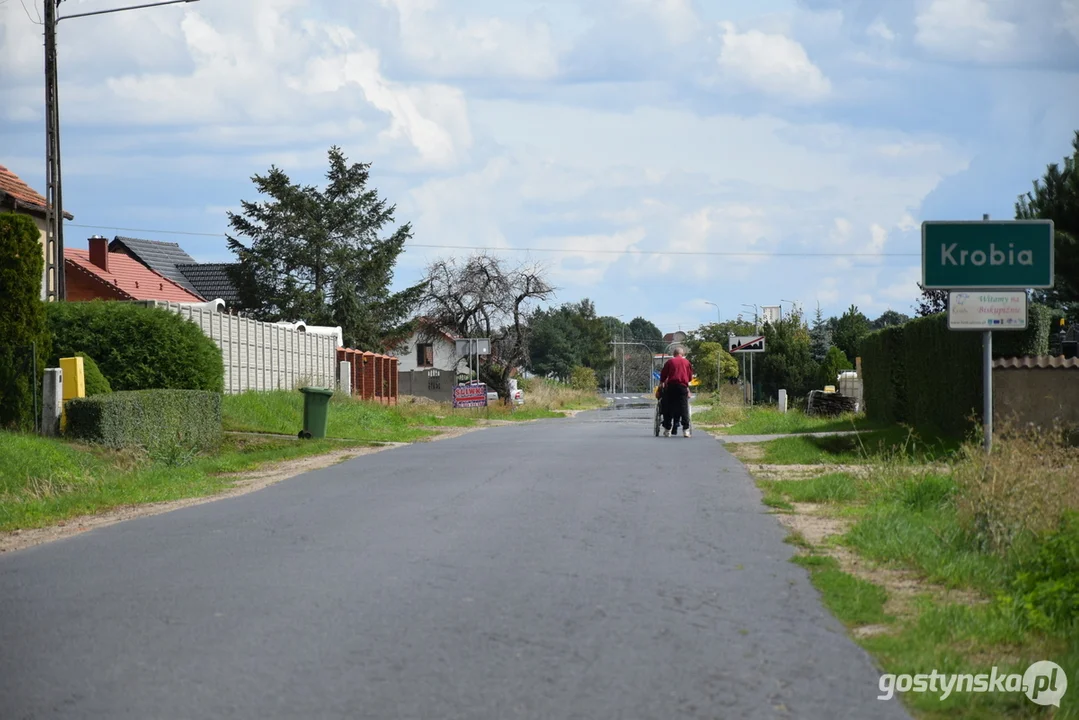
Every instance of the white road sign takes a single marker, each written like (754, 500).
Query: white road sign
(983, 310)
(473, 346)
(746, 343)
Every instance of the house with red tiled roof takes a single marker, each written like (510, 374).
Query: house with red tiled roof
(97, 274)
(16, 196)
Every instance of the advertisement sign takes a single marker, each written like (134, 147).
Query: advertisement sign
(987, 310)
(466, 396)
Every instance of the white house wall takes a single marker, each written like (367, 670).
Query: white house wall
(445, 355)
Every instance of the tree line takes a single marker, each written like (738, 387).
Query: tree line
(327, 256)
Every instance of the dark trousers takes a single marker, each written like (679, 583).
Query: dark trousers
(676, 407)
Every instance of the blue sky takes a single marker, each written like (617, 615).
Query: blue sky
(634, 127)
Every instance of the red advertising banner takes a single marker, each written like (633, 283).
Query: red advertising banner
(465, 396)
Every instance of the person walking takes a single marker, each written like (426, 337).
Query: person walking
(675, 377)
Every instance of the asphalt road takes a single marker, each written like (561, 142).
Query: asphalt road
(575, 568)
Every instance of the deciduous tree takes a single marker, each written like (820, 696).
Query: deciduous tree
(481, 297)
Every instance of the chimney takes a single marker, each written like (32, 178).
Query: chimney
(99, 252)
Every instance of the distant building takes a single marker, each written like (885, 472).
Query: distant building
(210, 281)
(428, 350)
(18, 197)
(675, 339)
(97, 274)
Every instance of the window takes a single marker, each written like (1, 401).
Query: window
(425, 355)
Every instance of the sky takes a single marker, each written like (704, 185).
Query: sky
(654, 155)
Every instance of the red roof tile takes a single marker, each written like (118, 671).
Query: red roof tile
(130, 277)
(13, 186)
(1040, 362)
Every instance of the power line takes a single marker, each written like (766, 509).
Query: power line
(581, 251)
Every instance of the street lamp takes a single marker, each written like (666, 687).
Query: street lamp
(793, 304)
(756, 324)
(54, 200)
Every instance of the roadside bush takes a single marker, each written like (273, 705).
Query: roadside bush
(1046, 588)
(22, 320)
(166, 423)
(138, 347)
(583, 378)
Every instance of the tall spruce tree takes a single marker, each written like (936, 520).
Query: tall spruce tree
(1056, 197)
(320, 255)
(820, 337)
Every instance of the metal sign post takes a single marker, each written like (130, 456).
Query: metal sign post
(747, 345)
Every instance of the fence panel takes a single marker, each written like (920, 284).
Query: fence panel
(262, 356)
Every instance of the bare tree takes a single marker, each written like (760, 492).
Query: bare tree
(480, 297)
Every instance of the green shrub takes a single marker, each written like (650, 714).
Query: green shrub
(158, 421)
(138, 347)
(1047, 586)
(834, 363)
(96, 383)
(583, 378)
(22, 320)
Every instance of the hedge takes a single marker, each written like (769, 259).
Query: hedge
(147, 419)
(138, 347)
(884, 382)
(1032, 341)
(930, 377)
(943, 375)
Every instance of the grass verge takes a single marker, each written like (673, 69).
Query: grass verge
(894, 444)
(911, 560)
(44, 480)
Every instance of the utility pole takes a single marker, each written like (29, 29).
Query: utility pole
(55, 287)
(54, 207)
(623, 359)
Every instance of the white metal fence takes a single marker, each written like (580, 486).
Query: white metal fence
(263, 356)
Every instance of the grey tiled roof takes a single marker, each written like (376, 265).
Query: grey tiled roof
(161, 257)
(210, 280)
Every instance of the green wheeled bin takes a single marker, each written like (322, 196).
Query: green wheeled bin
(316, 411)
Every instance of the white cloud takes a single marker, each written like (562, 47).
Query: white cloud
(434, 38)
(677, 18)
(773, 64)
(880, 29)
(965, 30)
(1071, 17)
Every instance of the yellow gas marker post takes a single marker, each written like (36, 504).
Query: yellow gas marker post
(74, 384)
